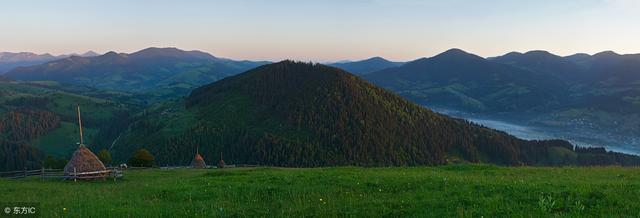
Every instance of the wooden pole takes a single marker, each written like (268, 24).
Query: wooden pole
(25, 172)
(80, 125)
(42, 173)
(75, 175)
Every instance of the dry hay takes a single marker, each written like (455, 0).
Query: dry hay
(83, 160)
(198, 162)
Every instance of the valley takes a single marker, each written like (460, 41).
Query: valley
(579, 133)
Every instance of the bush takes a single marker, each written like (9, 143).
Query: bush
(104, 156)
(142, 158)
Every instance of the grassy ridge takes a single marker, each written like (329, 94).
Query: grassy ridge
(446, 191)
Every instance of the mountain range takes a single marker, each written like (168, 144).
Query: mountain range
(598, 94)
(458, 79)
(366, 66)
(11, 60)
(164, 71)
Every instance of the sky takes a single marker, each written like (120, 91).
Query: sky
(329, 30)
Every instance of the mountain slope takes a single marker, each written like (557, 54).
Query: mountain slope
(298, 114)
(148, 70)
(366, 66)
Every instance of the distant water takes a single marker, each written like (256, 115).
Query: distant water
(630, 145)
(519, 131)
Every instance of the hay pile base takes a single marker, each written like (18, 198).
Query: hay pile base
(83, 161)
(198, 162)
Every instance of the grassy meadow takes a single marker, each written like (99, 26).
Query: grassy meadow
(444, 191)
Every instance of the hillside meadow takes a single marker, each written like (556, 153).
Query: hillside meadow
(444, 191)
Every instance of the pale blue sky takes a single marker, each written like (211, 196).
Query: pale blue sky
(321, 30)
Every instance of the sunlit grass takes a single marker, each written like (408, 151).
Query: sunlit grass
(447, 191)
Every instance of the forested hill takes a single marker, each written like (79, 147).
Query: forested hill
(301, 114)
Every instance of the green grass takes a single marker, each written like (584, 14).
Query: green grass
(61, 142)
(446, 191)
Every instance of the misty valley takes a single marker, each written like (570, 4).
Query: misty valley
(579, 133)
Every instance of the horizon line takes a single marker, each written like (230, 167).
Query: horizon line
(316, 61)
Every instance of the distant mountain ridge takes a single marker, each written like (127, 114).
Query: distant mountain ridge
(366, 66)
(599, 93)
(169, 70)
(459, 79)
(11, 60)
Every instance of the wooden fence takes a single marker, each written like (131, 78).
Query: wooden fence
(111, 173)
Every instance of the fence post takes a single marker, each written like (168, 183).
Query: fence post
(42, 173)
(75, 175)
(25, 172)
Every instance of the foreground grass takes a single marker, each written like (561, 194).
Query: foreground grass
(446, 191)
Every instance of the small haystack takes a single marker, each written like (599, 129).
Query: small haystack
(198, 162)
(83, 161)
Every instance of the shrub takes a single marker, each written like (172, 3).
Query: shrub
(104, 156)
(142, 158)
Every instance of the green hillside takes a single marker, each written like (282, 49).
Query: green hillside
(38, 119)
(445, 191)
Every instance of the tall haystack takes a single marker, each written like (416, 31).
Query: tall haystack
(84, 161)
(198, 162)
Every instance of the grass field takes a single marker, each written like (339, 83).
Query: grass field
(446, 191)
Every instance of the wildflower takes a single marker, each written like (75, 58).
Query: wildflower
(380, 190)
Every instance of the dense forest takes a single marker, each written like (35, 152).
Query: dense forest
(17, 128)
(301, 114)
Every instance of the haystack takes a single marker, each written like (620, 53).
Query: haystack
(198, 162)
(83, 161)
